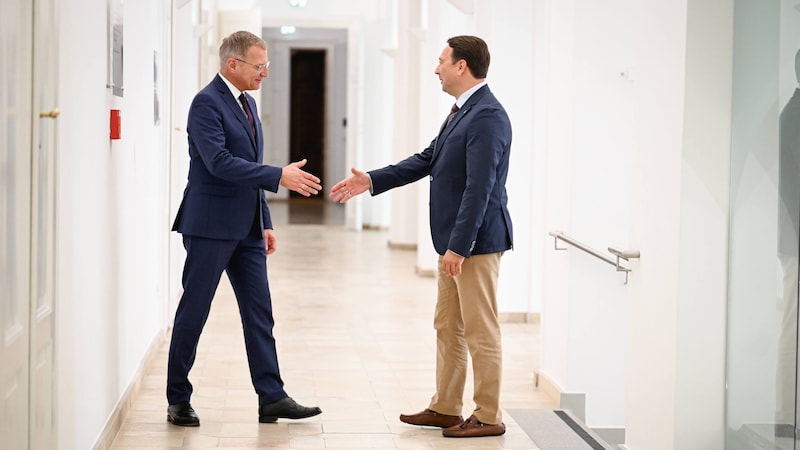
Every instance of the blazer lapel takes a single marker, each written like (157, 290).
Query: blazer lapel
(237, 110)
(447, 128)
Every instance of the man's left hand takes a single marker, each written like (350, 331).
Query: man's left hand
(270, 241)
(451, 263)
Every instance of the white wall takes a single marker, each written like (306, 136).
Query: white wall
(586, 54)
(703, 275)
(112, 216)
(636, 136)
(680, 219)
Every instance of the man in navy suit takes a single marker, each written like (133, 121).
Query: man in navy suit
(226, 226)
(467, 165)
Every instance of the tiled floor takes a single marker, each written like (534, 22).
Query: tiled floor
(354, 332)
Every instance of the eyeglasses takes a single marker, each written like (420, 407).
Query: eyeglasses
(259, 67)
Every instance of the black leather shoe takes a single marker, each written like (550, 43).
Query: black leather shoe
(182, 414)
(285, 409)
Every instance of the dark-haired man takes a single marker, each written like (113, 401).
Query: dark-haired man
(467, 165)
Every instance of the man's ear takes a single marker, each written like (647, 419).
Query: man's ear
(462, 66)
(231, 63)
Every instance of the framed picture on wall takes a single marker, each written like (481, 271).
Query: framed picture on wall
(115, 21)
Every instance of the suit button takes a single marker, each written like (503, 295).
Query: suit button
(431, 178)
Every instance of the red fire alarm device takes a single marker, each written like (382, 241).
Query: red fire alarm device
(115, 124)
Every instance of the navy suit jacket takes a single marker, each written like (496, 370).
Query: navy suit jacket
(224, 194)
(467, 165)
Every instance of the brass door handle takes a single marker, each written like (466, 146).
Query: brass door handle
(52, 114)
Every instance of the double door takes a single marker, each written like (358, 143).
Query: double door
(28, 127)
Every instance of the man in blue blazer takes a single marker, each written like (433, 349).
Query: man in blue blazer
(226, 226)
(467, 166)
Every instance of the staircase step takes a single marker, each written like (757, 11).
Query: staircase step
(558, 429)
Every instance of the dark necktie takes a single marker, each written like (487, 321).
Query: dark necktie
(453, 111)
(247, 111)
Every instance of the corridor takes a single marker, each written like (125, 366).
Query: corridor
(354, 334)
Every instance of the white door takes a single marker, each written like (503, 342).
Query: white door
(42, 250)
(27, 138)
(16, 114)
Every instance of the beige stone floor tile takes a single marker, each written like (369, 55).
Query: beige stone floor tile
(354, 335)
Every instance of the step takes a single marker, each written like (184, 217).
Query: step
(558, 429)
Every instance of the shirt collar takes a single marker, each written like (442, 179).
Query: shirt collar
(236, 92)
(466, 95)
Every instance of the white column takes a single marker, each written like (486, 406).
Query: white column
(676, 352)
(405, 207)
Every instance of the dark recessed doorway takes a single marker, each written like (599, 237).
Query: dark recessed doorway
(307, 109)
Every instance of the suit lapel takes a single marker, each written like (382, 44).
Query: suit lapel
(237, 111)
(448, 128)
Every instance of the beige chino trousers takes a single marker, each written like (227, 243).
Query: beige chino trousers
(466, 321)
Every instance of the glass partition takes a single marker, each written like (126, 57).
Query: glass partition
(761, 400)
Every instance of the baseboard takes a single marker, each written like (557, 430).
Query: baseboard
(519, 317)
(114, 422)
(573, 402)
(546, 384)
(425, 273)
(401, 246)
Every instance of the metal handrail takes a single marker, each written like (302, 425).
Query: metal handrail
(618, 254)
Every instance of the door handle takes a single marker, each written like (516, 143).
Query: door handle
(52, 114)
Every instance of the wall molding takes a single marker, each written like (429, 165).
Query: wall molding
(117, 417)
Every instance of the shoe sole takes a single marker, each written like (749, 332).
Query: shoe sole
(432, 425)
(429, 424)
(182, 423)
(273, 419)
(472, 435)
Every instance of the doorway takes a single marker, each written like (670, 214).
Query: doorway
(307, 106)
(307, 109)
(304, 116)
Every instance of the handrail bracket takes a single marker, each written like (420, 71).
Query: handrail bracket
(618, 254)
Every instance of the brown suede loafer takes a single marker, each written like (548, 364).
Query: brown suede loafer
(431, 418)
(473, 427)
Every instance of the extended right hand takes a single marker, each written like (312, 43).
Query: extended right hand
(351, 186)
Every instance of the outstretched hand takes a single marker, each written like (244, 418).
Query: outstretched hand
(296, 179)
(351, 186)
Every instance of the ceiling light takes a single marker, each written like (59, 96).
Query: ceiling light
(298, 3)
(288, 29)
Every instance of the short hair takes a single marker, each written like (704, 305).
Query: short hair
(237, 44)
(474, 51)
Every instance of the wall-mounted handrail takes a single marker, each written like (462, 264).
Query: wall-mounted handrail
(618, 254)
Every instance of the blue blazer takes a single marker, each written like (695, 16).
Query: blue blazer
(467, 165)
(224, 194)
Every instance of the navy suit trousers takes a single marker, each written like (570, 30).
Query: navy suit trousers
(245, 262)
